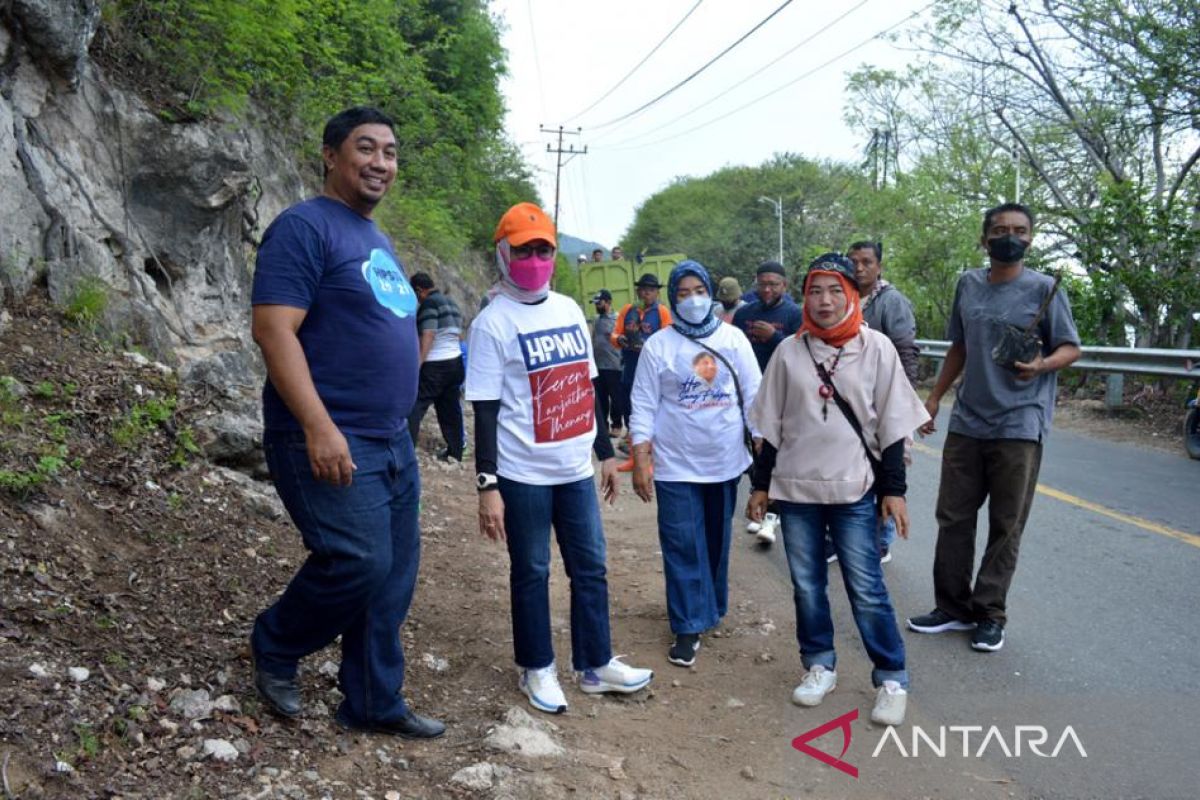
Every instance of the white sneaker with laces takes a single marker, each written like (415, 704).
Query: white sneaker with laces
(815, 684)
(615, 676)
(543, 690)
(890, 704)
(766, 532)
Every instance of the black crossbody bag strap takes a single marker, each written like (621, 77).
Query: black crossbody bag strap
(747, 437)
(845, 408)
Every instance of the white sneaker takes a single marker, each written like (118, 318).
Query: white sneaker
(542, 688)
(890, 704)
(615, 676)
(815, 684)
(766, 531)
(752, 526)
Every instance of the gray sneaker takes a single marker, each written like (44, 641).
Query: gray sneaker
(938, 621)
(988, 636)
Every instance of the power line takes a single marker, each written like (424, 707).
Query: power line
(711, 61)
(779, 89)
(537, 62)
(638, 66)
(754, 74)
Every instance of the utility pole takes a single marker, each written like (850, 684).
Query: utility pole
(778, 203)
(559, 152)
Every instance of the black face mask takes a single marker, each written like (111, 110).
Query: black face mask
(1007, 249)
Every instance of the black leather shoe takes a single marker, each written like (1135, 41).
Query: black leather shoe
(414, 726)
(281, 694)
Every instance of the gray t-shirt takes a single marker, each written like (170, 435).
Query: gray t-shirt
(607, 356)
(991, 402)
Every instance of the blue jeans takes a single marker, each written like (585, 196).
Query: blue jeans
(694, 522)
(853, 528)
(574, 511)
(887, 533)
(358, 579)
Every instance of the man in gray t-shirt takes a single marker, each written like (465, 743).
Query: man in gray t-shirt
(608, 364)
(1001, 414)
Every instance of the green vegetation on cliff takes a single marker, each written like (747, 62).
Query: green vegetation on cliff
(434, 65)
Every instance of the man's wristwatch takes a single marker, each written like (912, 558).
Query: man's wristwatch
(485, 481)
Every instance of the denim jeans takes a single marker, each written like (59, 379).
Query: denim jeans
(887, 533)
(574, 511)
(853, 528)
(358, 579)
(694, 522)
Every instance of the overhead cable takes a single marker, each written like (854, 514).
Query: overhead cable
(710, 62)
(707, 103)
(779, 89)
(638, 66)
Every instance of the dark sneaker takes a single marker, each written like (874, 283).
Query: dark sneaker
(938, 621)
(683, 652)
(988, 636)
(885, 554)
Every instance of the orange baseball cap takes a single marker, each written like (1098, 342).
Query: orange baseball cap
(523, 223)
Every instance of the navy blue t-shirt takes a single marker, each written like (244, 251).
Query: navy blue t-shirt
(360, 334)
(785, 317)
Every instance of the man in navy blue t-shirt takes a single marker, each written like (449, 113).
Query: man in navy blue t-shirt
(335, 317)
(772, 316)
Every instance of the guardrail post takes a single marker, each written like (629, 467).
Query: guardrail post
(1114, 391)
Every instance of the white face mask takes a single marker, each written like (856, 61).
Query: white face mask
(694, 308)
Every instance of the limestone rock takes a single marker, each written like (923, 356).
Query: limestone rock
(59, 31)
(523, 735)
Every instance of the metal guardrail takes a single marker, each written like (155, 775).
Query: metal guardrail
(1125, 360)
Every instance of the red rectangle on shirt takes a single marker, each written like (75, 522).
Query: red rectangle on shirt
(564, 404)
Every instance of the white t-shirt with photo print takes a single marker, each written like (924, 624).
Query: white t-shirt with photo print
(537, 361)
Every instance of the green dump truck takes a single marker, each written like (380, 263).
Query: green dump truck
(618, 277)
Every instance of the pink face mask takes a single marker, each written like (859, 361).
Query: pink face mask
(531, 273)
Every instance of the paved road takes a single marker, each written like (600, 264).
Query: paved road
(1104, 636)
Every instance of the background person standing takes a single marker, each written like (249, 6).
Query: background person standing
(608, 365)
(440, 324)
(887, 310)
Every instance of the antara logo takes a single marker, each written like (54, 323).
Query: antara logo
(801, 742)
(1024, 739)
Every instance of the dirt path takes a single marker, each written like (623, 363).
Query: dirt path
(720, 729)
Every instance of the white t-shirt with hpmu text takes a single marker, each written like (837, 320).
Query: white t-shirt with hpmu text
(537, 361)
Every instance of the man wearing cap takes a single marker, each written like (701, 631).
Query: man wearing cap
(608, 364)
(729, 295)
(335, 317)
(634, 324)
(536, 427)
(772, 317)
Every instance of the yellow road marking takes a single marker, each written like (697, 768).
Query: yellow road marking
(1129, 519)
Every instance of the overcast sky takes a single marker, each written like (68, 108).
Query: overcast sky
(563, 55)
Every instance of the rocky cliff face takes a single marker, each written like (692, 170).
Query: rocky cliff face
(96, 189)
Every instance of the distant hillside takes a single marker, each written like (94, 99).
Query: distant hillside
(571, 246)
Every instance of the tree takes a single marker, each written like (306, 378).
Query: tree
(1099, 98)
